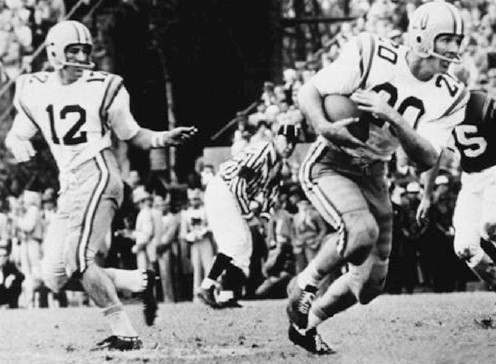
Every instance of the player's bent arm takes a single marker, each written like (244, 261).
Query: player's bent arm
(418, 149)
(310, 103)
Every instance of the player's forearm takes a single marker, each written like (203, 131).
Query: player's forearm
(418, 149)
(147, 139)
(310, 104)
(429, 177)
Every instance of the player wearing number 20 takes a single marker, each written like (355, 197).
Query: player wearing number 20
(75, 109)
(411, 101)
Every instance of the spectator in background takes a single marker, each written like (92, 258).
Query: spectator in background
(290, 78)
(157, 216)
(168, 250)
(195, 231)
(416, 250)
(207, 173)
(143, 233)
(263, 134)
(278, 270)
(240, 141)
(280, 225)
(268, 95)
(254, 119)
(10, 279)
(31, 230)
(4, 222)
(309, 228)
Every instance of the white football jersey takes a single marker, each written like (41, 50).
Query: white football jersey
(369, 62)
(75, 119)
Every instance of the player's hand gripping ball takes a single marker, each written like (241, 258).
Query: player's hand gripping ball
(340, 107)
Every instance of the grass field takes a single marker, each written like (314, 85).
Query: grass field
(416, 329)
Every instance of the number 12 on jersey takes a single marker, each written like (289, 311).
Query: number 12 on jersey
(74, 135)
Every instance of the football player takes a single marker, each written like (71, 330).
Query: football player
(75, 109)
(474, 217)
(256, 171)
(413, 103)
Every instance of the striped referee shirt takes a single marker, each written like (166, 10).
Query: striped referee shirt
(252, 172)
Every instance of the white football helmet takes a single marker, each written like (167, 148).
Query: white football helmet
(428, 22)
(60, 36)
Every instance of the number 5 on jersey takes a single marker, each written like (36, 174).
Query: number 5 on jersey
(74, 135)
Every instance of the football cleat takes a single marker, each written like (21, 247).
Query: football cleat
(122, 343)
(207, 297)
(309, 340)
(300, 301)
(149, 299)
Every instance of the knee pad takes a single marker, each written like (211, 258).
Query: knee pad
(362, 234)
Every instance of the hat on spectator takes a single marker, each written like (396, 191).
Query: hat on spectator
(48, 195)
(413, 187)
(441, 180)
(140, 194)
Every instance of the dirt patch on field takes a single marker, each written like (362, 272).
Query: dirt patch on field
(423, 328)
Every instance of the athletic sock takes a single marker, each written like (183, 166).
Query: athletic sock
(313, 320)
(309, 276)
(221, 262)
(489, 248)
(119, 321)
(208, 283)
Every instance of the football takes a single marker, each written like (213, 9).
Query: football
(338, 107)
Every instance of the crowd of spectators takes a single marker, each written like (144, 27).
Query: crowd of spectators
(23, 27)
(169, 232)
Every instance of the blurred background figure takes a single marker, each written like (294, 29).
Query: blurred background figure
(197, 234)
(10, 279)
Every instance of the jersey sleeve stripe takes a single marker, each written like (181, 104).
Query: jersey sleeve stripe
(367, 59)
(114, 94)
(109, 95)
(460, 101)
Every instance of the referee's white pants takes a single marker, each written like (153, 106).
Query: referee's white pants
(230, 229)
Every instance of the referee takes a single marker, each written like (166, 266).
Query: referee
(253, 173)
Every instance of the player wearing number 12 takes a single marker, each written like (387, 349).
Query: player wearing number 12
(410, 101)
(75, 109)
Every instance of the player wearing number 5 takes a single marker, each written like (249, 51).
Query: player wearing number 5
(76, 109)
(475, 212)
(406, 99)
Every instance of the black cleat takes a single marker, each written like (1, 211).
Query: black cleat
(309, 340)
(121, 343)
(207, 297)
(300, 301)
(232, 303)
(149, 299)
